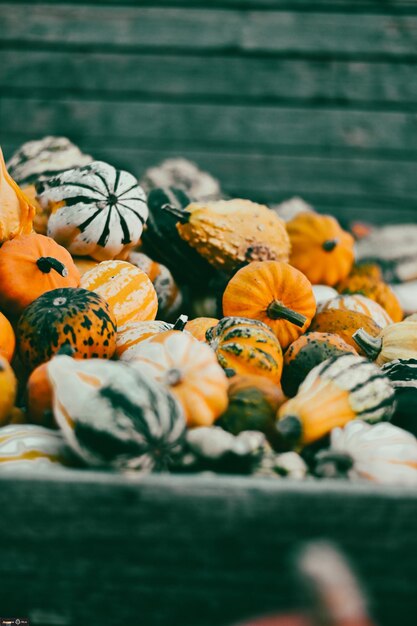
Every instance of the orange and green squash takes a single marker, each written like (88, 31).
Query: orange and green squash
(344, 324)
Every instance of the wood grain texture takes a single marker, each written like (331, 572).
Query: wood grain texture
(90, 548)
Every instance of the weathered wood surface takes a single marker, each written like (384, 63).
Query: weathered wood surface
(90, 548)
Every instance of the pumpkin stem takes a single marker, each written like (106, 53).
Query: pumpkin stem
(329, 245)
(173, 377)
(290, 430)
(48, 263)
(181, 322)
(372, 346)
(332, 464)
(182, 215)
(277, 310)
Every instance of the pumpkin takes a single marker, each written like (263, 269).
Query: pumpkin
(253, 405)
(230, 233)
(96, 210)
(31, 448)
(190, 369)
(320, 248)
(114, 416)
(358, 303)
(44, 158)
(128, 291)
(131, 335)
(403, 376)
(335, 392)
(322, 293)
(398, 341)
(77, 317)
(274, 293)
(7, 338)
(40, 219)
(344, 324)
(375, 290)
(16, 210)
(368, 269)
(182, 174)
(84, 263)
(305, 353)
(169, 295)
(199, 326)
(382, 453)
(162, 242)
(246, 346)
(40, 264)
(8, 390)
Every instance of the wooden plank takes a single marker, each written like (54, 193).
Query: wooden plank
(263, 127)
(212, 29)
(209, 77)
(90, 548)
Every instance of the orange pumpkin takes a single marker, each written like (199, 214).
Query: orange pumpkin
(274, 293)
(359, 303)
(8, 391)
(131, 335)
(374, 290)
(368, 269)
(31, 265)
(344, 324)
(199, 326)
(7, 338)
(16, 210)
(126, 288)
(84, 263)
(320, 248)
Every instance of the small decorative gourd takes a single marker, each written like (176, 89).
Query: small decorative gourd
(230, 233)
(131, 335)
(360, 304)
(305, 353)
(335, 392)
(182, 174)
(199, 326)
(8, 390)
(245, 346)
(114, 416)
(274, 293)
(7, 338)
(16, 210)
(77, 317)
(322, 293)
(382, 453)
(320, 248)
(96, 210)
(398, 341)
(375, 290)
(127, 289)
(169, 295)
(31, 265)
(403, 376)
(345, 324)
(190, 369)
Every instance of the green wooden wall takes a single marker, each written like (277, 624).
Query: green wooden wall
(275, 97)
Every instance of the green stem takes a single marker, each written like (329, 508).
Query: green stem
(48, 263)
(181, 322)
(330, 245)
(372, 346)
(182, 215)
(277, 310)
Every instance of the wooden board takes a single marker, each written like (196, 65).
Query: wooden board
(91, 548)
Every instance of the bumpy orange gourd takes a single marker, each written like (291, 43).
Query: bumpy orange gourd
(274, 293)
(375, 290)
(344, 324)
(126, 288)
(320, 248)
(7, 338)
(8, 390)
(16, 210)
(31, 265)
(199, 326)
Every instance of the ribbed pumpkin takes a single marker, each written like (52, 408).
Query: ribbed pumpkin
(127, 289)
(97, 211)
(31, 265)
(84, 263)
(375, 290)
(190, 369)
(199, 326)
(344, 324)
(30, 448)
(71, 316)
(16, 210)
(229, 233)
(113, 416)
(7, 338)
(360, 304)
(305, 353)
(398, 341)
(8, 390)
(320, 248)
(246, 346)
(403, 376)
(274, 293)
(335, 392)
(131, 335)
(169, 295)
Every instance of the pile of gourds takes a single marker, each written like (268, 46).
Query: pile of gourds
(273, 354)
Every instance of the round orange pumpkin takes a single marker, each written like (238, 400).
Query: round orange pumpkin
(7, 338)
(8, 391)
(274, 293)
(344, 324)
(199, 326)
(31, 265)
(39, 398)
(126, 288)
(374, 290)
(320, 248)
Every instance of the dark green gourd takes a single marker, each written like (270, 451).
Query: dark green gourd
(403, 376)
